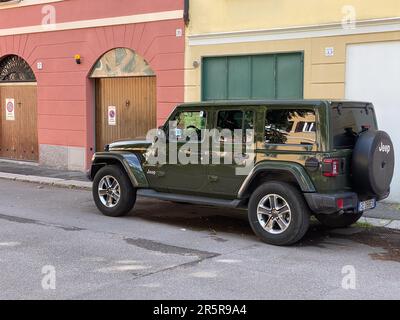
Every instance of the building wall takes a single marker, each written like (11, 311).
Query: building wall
(324, 77)
(90, 28)
(231, 27)
(209, 16)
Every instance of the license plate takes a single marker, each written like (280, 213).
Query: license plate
(367, 205)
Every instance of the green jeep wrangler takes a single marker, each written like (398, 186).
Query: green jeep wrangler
(321, 158)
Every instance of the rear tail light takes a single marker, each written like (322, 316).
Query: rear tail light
(331, 167)
(340, 203)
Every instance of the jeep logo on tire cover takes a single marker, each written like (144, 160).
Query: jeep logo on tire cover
(384, 148)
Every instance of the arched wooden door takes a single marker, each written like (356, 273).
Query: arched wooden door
(126, 103)
(18, 119)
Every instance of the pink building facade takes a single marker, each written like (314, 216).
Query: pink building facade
(52, 35)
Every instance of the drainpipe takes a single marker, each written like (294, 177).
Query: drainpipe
(186, 16)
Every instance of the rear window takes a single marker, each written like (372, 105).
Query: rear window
(290, 127)
(348, 123)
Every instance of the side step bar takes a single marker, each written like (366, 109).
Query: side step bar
(148, 193)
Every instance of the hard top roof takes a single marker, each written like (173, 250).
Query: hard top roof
(315, 103)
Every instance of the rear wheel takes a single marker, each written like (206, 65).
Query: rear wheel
(113, 193)
(278, 214)
(338, 220)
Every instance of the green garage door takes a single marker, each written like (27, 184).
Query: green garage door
(276, 76)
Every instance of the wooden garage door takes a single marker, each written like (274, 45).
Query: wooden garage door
(18, 137)
(134, 100)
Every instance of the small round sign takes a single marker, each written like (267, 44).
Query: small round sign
(112, 116)
(10, 107)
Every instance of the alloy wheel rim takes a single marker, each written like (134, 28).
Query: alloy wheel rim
(274, 214)
(109, 191)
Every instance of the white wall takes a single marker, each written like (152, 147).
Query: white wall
(373, 74)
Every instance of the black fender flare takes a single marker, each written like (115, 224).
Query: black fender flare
(129, 161)
(294, 169)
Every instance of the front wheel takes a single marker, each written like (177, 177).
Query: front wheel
(339, 220)
(278, 213)
(112, 191)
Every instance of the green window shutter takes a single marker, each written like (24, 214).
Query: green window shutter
(214, 80)
(263, 77)
(271, 76)
(289, 76)
(239, 82)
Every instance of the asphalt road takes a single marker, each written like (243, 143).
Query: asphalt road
(52, 237)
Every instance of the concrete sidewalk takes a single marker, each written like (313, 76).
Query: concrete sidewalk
(31, 172)
(33, 169)
(385, 214)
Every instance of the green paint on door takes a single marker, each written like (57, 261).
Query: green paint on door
(274, 76)
(215, 79)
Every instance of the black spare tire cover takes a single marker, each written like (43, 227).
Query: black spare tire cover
(373, 163)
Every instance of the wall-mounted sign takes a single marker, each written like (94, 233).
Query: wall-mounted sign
(329, 52)
(112, 116)
(10, 109)
(179, 33)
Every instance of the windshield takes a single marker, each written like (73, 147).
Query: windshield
(348, 122)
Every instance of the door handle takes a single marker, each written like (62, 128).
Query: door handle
(160, 174)
(212, 178)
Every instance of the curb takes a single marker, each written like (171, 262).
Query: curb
(63, 183)
(384, 223)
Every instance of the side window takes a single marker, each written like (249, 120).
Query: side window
(189, 123)
(231, 120)
(290, 127)
(235, 120)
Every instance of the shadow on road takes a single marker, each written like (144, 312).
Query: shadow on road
(220, 221)
(196, 218)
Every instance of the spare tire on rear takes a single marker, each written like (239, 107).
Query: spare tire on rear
(373, 163)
